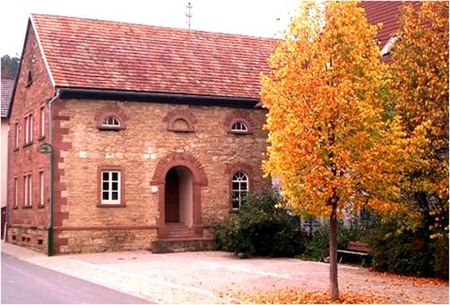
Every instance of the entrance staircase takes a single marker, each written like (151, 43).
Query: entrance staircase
(179, 238)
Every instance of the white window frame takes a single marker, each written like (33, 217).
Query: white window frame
(239, 126)
(29, 129)
(16, 136)
(41, 188)
(28, 190)
(111, 189)
(239, 189)
(16, 192)
(42, 122)
(111, 121)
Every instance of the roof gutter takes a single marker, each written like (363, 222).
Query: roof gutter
(157, 97)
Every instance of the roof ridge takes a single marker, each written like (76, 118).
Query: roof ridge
(91, 19)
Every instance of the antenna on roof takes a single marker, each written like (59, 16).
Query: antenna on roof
(188, 14)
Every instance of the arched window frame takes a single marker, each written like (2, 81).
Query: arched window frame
(240, 127)
(111, 112)
(111, 121)
(240, 186)
(239, 117)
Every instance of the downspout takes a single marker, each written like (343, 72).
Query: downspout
(51, 176)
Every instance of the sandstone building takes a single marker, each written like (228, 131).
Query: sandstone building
(155, 133)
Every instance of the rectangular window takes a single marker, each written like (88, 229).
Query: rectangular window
(16, 135)
(41, 188)
(27, 190)
(110, 187)
(42, 122)
(16, 192)
(28, 129)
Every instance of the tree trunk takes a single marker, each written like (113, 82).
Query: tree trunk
(334, 288)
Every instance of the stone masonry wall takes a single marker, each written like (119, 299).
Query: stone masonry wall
(136, 151)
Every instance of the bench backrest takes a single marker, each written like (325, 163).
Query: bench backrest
(358, 246)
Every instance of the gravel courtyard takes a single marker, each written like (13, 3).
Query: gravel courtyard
(219, 277)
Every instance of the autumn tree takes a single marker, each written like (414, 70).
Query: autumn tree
(330, 142)
(420, 82)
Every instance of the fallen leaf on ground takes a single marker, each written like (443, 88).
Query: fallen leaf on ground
(290, 296)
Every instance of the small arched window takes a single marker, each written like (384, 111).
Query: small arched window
(239, 189)
(111, 121)
(239, 126)
(111, 117)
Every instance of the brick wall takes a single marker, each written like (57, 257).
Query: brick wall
(27, 224)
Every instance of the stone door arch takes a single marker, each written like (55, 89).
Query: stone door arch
(183, 172)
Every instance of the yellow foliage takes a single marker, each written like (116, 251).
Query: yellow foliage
(419, 78)
(329, 143)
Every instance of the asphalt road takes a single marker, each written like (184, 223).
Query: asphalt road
(25, 283)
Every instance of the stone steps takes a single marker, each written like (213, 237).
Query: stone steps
(171, 245)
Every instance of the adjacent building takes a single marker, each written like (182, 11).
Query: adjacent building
(6, 93)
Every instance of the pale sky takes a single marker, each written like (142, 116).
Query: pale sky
(267, 18)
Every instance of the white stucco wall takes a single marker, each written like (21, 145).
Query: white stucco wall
(4, 164)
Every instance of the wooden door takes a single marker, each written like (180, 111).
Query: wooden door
(172, 200)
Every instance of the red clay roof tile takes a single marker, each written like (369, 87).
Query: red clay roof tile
(386, 12)
(85, 53)
(7, 90)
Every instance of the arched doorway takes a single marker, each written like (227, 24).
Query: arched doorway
(181, 176)
(178, 207)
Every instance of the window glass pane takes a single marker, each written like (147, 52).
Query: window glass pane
(115, 176)
(105, 196)
(115, 186)
(105, 186)
(111, 121)
(239, 126)
(115, 195)
(105, 176)
(239, 189)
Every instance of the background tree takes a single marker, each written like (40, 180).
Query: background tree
(419, 80)
(420, 86)
(10, 65)
(330, 145)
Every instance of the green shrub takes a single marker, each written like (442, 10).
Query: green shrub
(317, 246)
(261, 228)
(402, 252)
(440, 252)
(408, 252)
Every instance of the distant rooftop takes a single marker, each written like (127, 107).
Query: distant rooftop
(7, 89)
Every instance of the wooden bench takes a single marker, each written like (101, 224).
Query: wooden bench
(356, 248)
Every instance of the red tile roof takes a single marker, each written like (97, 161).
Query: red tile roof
(7, 90)
(106, 55)
(386, 12)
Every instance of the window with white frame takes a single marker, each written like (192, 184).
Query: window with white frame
(41, 188)
(239, 189)
(27, 190)
(111, 121)
(110, 187)
(41, 122)
(28, 129)
(16, 192)
(16, 135)
(239, 126)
